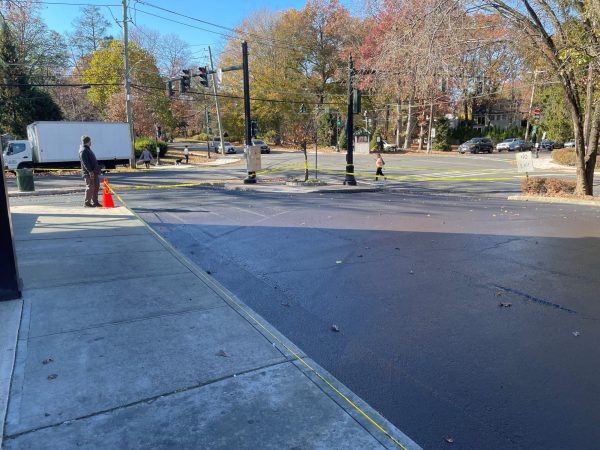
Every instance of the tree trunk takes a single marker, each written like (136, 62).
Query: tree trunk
(305, 161)
(410, 121)
(589, 99)
(592, 150)
(398, 122)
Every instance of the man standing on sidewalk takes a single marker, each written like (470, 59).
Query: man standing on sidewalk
(90, 170)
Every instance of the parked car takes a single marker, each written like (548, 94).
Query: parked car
(229, 148)
(505, 144)
(388, 146)
(570, 144)
(548, 144)
(264, 148)
(520, 145)
(477, 145)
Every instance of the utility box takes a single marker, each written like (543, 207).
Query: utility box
(361, 142)
(253, 158)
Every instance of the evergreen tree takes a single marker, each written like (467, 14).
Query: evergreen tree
(20, 103)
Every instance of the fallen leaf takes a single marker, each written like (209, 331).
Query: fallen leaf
(576, 333)
(396, 248)
(208, 272)
(359, 256)
(222, 353)
(338, 262)
(52, 376)
(411, 272)
(335, 328)
(449, 440)
(505, 305)
(499, 293)
(47, 361)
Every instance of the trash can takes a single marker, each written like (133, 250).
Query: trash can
(25, 180)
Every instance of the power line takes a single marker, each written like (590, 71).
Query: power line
(287, 44)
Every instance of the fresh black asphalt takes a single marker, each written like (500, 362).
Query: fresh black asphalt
(460, 318)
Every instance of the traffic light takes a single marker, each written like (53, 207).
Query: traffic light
(203, 74)
(185, 81)
(254, 126)
(356, 100)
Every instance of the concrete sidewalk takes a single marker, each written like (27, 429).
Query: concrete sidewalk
(124, 343)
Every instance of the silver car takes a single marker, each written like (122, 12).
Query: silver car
(505, 144)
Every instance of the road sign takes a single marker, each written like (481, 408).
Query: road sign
(524, 162)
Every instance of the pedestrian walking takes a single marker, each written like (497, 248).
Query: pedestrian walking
(90, 171)
(146, 157)
(186, 154)
(379, 163)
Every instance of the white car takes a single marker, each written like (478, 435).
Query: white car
(570, 144)
(388, 146)
(229, 148)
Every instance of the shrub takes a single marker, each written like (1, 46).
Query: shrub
(547, 186)
(565, 156)
(272, 137)
(378, 133)
(150, 144)
(557, 186)
(441, 141)
(533, 185)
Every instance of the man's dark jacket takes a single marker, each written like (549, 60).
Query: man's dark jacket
(89, 163)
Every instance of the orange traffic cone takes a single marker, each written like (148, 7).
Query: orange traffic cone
(107, 201)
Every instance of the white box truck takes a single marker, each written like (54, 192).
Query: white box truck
(56, 144)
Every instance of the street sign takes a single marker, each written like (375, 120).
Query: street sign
(524, 162)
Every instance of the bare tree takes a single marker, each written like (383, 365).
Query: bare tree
(566, 38)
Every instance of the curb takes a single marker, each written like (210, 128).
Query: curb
(560, 200)
(10, 317)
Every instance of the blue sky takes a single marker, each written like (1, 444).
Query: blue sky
(228, 13)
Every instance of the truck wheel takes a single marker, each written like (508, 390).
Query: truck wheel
(25, 165)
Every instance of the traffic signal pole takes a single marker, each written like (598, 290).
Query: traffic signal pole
(350, 180)
(251, 179)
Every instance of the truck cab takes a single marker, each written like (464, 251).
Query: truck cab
(18, 155)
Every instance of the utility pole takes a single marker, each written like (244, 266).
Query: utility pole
(128, 84)
(535, 72)
(251, 179)
(350, 180)
(214, 79)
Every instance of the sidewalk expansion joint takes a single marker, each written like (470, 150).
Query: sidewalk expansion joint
(106, 280)
(70, 238)
(133, 320)
(149, 400)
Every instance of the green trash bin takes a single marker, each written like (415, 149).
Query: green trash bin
(25, 180)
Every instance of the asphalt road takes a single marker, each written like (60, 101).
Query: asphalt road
(416, 285)
(492, 175)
